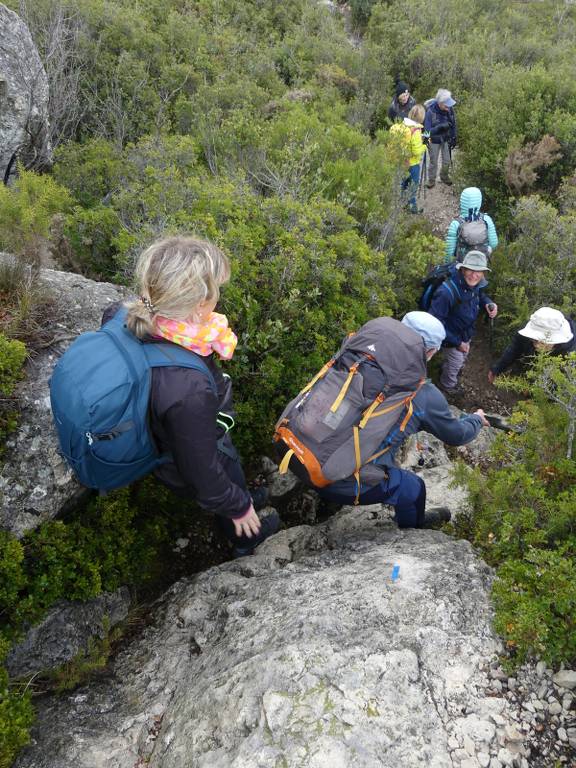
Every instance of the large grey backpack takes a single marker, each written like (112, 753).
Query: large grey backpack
(343, 420)
(472, 236)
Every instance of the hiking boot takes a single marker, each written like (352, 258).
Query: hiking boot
(260, 496)
(436, 516)
(430, 184)
(269, 525)
(457, 391)
(446, 180)
(416, 210)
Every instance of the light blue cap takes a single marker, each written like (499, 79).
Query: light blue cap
(428, 326)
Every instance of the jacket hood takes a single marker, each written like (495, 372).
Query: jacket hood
(412, 123)
(470, 199)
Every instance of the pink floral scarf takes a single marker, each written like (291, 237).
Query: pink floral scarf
(203, 338)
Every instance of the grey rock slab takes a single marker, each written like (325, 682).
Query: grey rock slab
(282, 486)
(35, 481)
(541, 668)
(505, 757)
(317, 658)
(566, 678)
(65, 632)
(423, 450)
(440, 491)
(24, 127)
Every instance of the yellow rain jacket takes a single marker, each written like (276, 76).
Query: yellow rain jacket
(410, 132)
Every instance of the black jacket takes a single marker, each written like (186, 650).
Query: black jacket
(183, 411)
(397, 111)
(522, 347)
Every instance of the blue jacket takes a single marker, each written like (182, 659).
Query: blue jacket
(432, 414)
(456, 305)
(439, 124)
(470, 206)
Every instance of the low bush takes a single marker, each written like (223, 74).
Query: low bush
(12, 358)
(544, 248)
(16, 715)
(26, 211)
(523, 516)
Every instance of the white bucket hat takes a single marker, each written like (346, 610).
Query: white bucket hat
(475, 260)
(547, 325)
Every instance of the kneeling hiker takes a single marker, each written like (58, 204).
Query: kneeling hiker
(547, 330)
(341, 433)
(144, 393)
(472, 230)
(456, 303)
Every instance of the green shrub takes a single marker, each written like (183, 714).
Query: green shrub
(90, 236)
(410, 256)
(16, 715)
(544, 248)
(535, 600)
(531, 103)
(523, 517)
(26, 210)
(12, 359)
(361, 10)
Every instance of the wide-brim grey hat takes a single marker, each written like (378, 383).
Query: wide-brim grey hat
(549, 326)
(475, 260)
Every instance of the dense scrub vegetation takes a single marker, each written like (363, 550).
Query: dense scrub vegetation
(523, 515)
(259, 125)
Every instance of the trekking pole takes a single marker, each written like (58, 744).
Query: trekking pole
(421, 185)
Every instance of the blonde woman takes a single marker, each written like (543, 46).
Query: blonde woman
(179, 280)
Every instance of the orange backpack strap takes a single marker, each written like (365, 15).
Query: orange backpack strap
(304, 456)
(322, 372)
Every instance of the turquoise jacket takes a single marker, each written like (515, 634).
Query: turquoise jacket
(470, 205)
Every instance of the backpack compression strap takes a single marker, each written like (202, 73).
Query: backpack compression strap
(372, 413)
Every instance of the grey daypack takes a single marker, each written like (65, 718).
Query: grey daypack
(472, 236)
(345, 418)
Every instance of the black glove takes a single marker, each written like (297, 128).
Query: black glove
(452, 143)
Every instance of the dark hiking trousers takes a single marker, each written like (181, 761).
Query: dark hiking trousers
(231, 462)
(403, 490)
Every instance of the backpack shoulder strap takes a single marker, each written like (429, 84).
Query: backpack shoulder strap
(154, 355)
(453, 289)
(163, 355)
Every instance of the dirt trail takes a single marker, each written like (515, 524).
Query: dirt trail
(441, 205)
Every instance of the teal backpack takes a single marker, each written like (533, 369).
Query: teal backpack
(99, 392)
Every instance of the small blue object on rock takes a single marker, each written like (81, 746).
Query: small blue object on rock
(395, 572)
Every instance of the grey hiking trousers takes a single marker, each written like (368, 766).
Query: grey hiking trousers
(434, 151)
(452, 363)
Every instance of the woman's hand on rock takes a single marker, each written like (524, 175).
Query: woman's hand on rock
(248, 524)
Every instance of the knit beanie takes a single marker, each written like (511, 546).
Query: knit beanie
(401, 88)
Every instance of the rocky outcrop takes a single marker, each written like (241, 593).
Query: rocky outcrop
(23, 96)
(347, 644)
(35, 482)
(66, 632)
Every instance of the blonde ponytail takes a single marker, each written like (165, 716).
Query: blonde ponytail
(173, 276)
